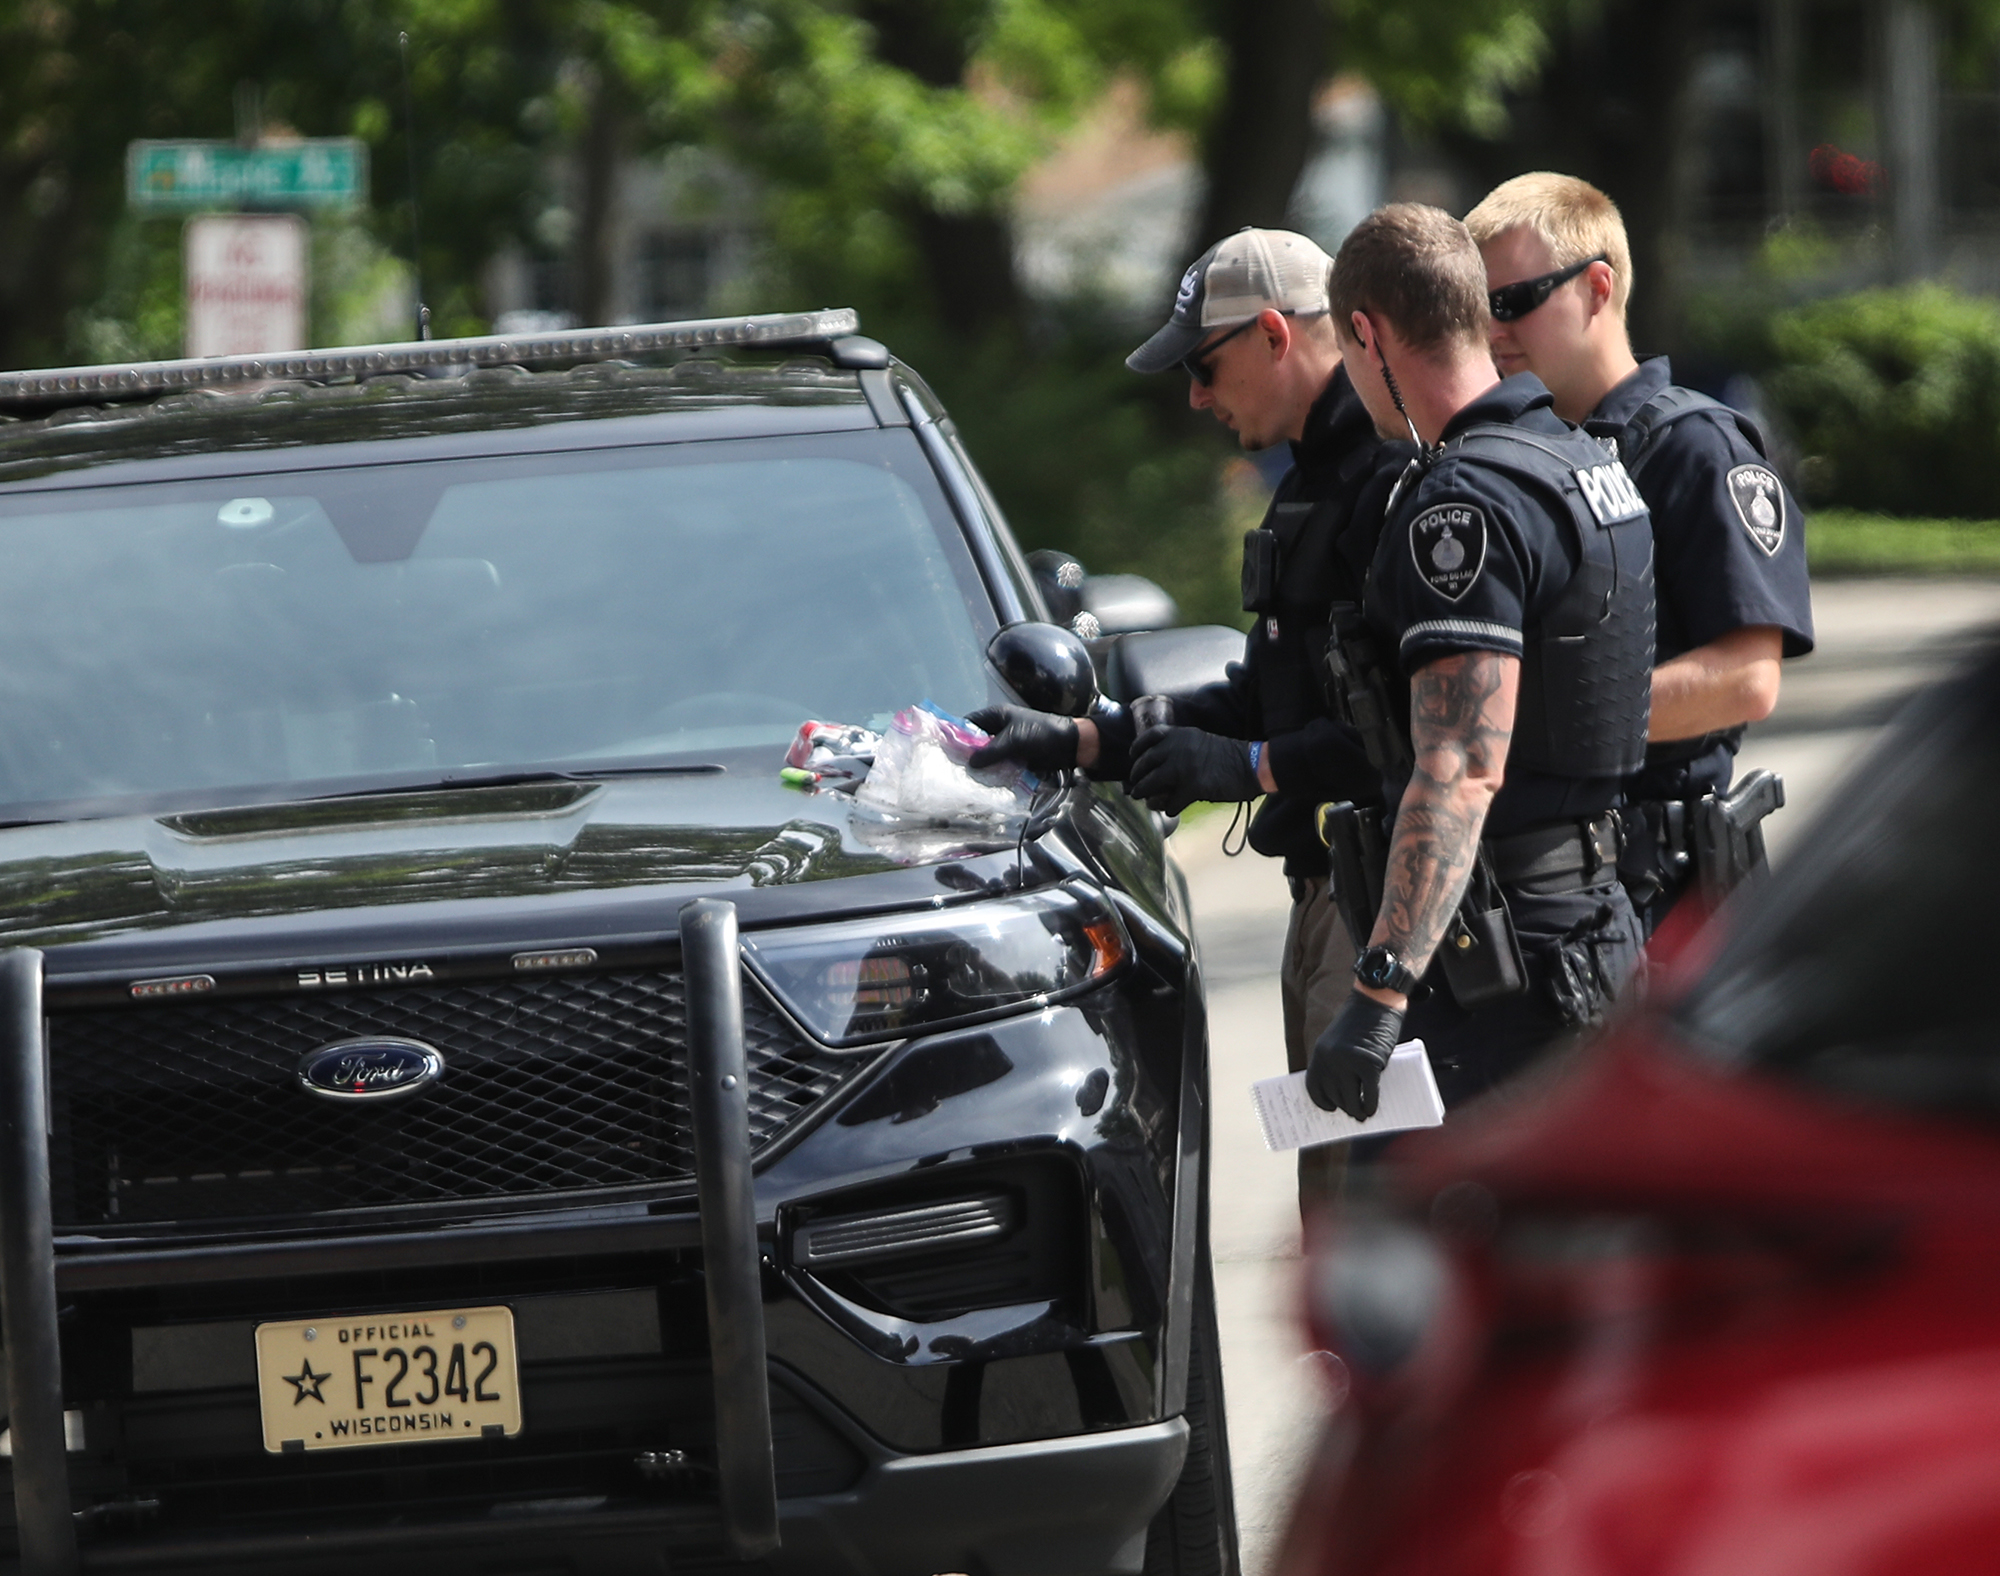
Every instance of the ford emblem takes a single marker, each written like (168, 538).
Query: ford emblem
(371, 1069)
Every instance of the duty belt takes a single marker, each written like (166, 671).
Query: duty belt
(1576, 850)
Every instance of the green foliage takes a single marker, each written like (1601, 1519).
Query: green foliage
(885, 137)
(1796, 262)
(1971, 30)
(1091, 458)
(79, 79)
(1894, 396)
(1446, 62)
(139, 315)
(862, 119)
(360, 293)
(1845, 542)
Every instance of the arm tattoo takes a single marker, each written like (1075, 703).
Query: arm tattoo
(1461, 719)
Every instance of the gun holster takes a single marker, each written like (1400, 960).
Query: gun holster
(1481, 954)
(1359, 854)
(1358, 684)
(1729, 834)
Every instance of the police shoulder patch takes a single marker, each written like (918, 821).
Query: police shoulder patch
(1760, 504)
(1448, 545)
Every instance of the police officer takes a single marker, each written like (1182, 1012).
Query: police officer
(1730, 566)
(1508, 618)
(1250, 328)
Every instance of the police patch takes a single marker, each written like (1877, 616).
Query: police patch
(1760, 505)
(1448, 544)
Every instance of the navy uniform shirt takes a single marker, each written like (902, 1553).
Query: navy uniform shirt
(1326, 514)
(1729, 553)
(1467, 564)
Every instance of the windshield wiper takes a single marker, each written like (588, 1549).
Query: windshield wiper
(271, 796)
(534, 774)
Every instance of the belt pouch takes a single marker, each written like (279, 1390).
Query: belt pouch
(1481, 955)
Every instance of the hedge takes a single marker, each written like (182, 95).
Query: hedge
(1894, 399)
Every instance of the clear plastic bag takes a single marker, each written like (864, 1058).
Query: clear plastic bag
(920, 773)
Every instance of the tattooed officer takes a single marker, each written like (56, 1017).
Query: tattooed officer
(1251, 331)
(1499, 667)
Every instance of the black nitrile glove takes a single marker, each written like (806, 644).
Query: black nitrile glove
(1344, 1072)
(1173, 768)
(1038, 740)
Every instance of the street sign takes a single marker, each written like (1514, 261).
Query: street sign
(316, 172)
(246, 284)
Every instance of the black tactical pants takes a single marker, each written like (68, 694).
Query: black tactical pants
(1582, 948)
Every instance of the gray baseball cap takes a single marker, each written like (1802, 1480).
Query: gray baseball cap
(1230, 283)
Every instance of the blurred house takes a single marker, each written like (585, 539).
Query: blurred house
(1107, 216)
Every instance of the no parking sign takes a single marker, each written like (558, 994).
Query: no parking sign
(246, 284)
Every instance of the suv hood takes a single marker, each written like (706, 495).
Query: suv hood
(82, 881)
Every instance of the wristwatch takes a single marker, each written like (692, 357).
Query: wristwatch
(1380, 969)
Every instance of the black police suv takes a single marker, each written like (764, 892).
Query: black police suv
(459, 1109)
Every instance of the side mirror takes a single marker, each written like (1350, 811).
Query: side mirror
(1171, 661)
(1048, 667)
(1122, 604)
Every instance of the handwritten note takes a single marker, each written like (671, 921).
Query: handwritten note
(1410, 1099)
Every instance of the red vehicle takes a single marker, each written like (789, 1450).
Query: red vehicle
(1720, 1294)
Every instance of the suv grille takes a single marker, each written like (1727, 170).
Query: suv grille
(193, 1112)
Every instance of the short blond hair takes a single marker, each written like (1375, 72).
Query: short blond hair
(1572, 218)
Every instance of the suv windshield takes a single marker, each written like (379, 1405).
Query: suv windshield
(309, 628)
(1864, 965)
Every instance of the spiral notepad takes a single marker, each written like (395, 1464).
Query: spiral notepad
(1409, 1099)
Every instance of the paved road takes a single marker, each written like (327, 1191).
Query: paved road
(1879, 639)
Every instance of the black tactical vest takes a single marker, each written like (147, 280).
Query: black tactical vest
(1293, 570)
(1587, 661)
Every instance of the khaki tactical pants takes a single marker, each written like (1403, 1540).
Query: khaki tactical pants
(1313, 980)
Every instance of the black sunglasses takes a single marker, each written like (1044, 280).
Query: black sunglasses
(1196, 360)
(1511, 302)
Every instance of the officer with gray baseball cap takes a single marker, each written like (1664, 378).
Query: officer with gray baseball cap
(1229, 286)
(1250, 327)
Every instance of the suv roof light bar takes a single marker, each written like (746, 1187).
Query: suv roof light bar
(140, 378)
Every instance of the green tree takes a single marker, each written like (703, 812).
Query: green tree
(887, 136)
(80, 79)
(890, 136)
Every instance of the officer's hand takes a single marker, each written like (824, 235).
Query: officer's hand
(1038, 740)
(1344, 1072)
(1173, 768)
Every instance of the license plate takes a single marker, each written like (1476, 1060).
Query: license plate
(388, 1379)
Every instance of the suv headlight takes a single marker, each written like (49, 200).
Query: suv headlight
(892, 976)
